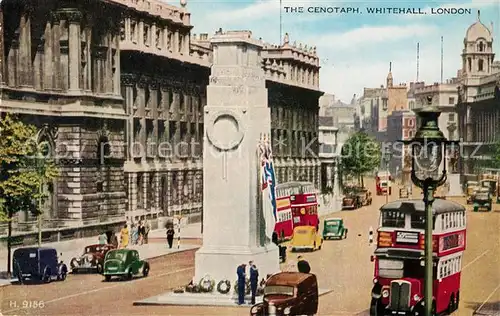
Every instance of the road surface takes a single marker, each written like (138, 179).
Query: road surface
(343, 266)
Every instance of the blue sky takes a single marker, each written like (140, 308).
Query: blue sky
(355, 49)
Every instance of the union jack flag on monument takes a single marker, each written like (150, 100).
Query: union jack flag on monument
(268, 185)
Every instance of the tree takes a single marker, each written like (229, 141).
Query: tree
(23, 170)
(360, 154)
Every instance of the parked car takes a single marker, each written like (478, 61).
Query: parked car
(364, 196)
(306, 238)
(124, 263)
(333, 228)
(482, 200)
(471, 188)
(38, 264)
(351, 202)
(288, 293)
(492, 185)
(92, 259)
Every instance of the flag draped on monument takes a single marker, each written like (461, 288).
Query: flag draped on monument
(268, 186)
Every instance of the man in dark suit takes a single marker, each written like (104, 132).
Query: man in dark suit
(240, 271)
(254, 280)
(303, 266)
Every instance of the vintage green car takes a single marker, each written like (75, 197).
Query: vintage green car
(333, 228)
(124, 263)
(482, 199)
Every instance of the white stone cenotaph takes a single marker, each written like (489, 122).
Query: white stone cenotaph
(236, 116)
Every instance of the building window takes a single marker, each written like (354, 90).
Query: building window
(384, 104)
(481, 46)
(469, 62)
(451, 117)
(480, 65)
(451, 100)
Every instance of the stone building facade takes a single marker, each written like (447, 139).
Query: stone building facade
(478, 98)
(118, 89)
(402, 126)
(61, 73)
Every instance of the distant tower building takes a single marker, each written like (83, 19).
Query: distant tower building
(389, 77)
(477, 55)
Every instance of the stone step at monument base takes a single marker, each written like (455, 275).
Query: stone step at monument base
(203, 299)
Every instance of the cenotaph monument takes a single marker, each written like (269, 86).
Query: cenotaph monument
(236, 118)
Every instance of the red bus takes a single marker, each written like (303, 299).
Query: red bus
(284, 223)
(399, 258)
(304, 200)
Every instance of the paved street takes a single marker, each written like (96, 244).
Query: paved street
(343, 266)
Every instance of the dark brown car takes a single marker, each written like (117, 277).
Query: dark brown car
(351, 201)
(289, 293)
(92, 259)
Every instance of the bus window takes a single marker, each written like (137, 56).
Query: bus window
(417, 221)
(393, 219)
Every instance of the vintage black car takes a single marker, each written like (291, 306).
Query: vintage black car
(38, 264)
(289, 293)
(92, 259)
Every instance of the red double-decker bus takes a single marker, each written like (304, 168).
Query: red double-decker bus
(284, 223)
(304, 202)
(399, 258)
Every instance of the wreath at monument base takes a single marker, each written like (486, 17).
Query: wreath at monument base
(193, 288)
(224, 287)
(247, 287)
(206, 284)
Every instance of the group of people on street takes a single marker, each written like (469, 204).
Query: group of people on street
(138, 235)
(302, 266)
(254, 280)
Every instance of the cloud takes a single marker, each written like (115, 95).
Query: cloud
(350, 74)
(366, 35)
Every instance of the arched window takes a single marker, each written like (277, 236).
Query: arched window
(469, 62)
(480, 65)
(481, 46)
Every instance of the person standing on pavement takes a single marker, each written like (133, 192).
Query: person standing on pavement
(170, 236)
(124, 236)
(142, 232)
(240, 271)
(303, 266)
(135, 234)
(147, 229)
(103, 239)
(254, 280)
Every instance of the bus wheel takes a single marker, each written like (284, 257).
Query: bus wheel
(376, 308)
(451, 304)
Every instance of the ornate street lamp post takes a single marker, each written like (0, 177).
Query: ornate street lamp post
(427, 149)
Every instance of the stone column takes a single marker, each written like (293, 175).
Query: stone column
(25, 66)
(191, 184)
(180, 188)
(132, 199)
(236, 115)
(38, 65)
(170, 201)
(144, 190)
(74, 18)
(199, 188)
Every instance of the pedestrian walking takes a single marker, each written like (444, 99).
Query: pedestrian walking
(240, 271)
(254, 280)
(103, 239)
(302, 265)
(147, 228)
(142, 232)
(170, 236)
(124, 236)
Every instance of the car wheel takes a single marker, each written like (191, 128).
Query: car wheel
(145, 271)
(61, 277)
(107, 278)
(20, 278)
(99, 268)
(46, 277)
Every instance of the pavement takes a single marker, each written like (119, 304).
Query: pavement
(157, 247)
(203, 299)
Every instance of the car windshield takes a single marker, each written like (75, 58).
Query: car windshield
(118, 255)
(278, 290)
(302, 231)
(383, 184)
(332, 224)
